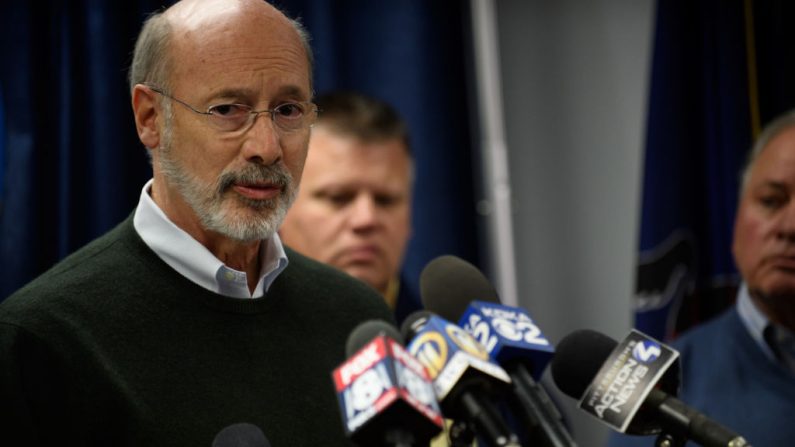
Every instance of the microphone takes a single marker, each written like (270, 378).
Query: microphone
(509, 334)
(241, 434)
(462, 375)
(626, 386)
(385, 395)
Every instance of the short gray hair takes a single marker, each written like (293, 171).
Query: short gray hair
(151, 62)
(771, 130)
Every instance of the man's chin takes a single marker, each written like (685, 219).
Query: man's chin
(782, 287)
(244, 225)
(248, 205)
(367, 274)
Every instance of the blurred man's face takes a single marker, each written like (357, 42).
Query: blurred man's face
(764, 233)
(353, 207)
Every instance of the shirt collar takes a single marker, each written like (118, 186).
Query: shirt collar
(190, 258)
(776, 342)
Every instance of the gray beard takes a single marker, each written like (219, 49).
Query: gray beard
(212, 202)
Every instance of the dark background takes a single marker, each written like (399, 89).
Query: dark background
(71, 166)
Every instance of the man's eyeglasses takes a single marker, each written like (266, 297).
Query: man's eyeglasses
(288, 117)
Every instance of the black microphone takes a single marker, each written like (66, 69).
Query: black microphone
(463, 376)
(459, 291)
(241, 434)
(626, 381)
(385, 395)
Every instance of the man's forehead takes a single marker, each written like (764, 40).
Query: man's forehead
(197, 15)
(207, 26)
(238, 49)
(342, 143)
(780, 150)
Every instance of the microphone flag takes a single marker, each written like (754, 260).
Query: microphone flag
(380, 378)
(637, 365)
(508, 333)
(450, 353)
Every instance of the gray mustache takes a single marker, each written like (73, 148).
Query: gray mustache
(275, 174)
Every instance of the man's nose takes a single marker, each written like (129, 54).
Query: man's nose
(786, 223)
(262, 141)
(364, 212)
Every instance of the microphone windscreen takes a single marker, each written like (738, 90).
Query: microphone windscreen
(367, 331)
(448, 284)
(242, 434)
(578, 358)
(414, 323)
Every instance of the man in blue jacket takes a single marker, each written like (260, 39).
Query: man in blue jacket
(739, 368)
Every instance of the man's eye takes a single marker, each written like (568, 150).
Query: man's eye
(340, 199)
(290, 110)
(771, 202)
(336, 199)
(229, 110)
(386, 200)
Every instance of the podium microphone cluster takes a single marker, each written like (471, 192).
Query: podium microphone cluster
(458, 291)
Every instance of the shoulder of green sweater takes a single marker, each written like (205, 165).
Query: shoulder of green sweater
(82, 270)
(312, 278)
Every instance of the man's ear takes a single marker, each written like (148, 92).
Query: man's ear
(145, 111)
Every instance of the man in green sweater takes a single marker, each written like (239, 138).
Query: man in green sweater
(191, 316)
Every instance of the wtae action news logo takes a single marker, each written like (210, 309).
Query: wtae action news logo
(380, 373)
(632, 370)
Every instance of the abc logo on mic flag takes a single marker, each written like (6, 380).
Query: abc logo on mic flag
(450, 353)
(382, 376)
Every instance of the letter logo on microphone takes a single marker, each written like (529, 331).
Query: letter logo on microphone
(465, 341)
(383, 377)
(626, 378)
(646, 351)
(448, 352)
(366, 389)
(430, 348)
(508, 333)
(365, 359)
(363, 384)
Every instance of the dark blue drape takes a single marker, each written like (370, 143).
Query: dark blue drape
(703, 102)
(71, 165)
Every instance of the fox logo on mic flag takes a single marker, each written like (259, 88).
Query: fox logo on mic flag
(382, 377)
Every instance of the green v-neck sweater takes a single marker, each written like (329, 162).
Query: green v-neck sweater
(112, 347)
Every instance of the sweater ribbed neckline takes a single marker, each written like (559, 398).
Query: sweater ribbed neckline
(160, 271)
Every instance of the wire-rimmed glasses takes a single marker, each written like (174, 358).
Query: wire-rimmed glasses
(288, 117)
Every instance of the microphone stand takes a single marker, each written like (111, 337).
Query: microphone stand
(399, 438)
(544, 422)
(462, 434)
(669, 440)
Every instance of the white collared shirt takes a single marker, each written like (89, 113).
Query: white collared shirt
(755, 321)
(777, 342)
(192, 260)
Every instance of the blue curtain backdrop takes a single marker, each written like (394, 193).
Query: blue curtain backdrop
(71, 166)
(720, 70)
